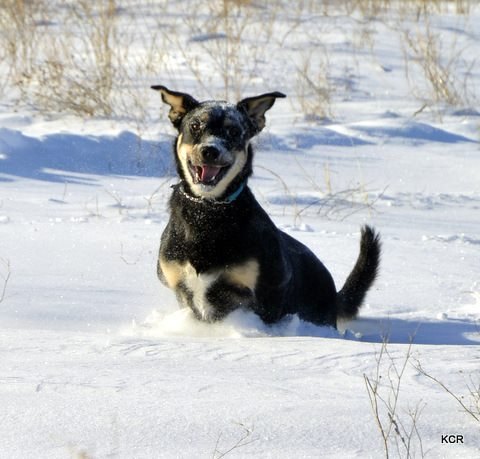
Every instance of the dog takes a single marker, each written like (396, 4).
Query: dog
(220, 251)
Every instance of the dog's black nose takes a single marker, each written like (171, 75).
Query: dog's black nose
(210, 153)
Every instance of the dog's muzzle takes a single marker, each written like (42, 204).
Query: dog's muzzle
(209, 168)
(210, 154)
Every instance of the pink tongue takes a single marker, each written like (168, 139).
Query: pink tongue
(208, 173)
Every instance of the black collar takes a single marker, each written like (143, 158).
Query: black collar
(229, 199)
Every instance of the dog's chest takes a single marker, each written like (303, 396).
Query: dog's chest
(194, 287)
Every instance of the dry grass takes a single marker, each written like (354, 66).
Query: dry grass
(398, 429)
(441, 82)
(107, 54)
(82, 81)
(314, 88)
(228, 43)
(90, 67)
(19, 41)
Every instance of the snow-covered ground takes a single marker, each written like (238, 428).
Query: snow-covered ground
(97, 361)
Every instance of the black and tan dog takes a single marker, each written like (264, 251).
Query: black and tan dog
(220, 251)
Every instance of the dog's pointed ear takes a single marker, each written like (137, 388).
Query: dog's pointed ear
(180, 103)
(255, 107)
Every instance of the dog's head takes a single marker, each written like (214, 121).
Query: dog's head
(213, 152)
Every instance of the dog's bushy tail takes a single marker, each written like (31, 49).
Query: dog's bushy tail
(350, 297)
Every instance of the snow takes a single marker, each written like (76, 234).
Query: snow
(96, 359)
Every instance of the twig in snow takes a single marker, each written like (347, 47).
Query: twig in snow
(242, 441)
(474, 411)
(6, 277)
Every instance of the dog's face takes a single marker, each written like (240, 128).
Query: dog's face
(212, 148)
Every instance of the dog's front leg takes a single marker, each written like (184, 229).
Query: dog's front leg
(224, 297)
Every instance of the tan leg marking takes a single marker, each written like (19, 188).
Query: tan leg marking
(245, 274)
(172, 271)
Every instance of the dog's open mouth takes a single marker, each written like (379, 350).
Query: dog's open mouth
(207, 174)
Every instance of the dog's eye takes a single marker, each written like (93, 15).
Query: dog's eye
(232, 131)
(195, 126)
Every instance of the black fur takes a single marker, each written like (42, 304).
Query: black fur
(220, 250)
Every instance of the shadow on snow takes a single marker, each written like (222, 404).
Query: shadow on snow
(442, 332)
(241, 323)
(58, 157)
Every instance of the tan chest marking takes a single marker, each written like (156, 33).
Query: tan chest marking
(243, 274)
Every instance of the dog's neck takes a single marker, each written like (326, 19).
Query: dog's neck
(228, 200)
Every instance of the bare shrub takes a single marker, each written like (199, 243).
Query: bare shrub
(439, 67)
(79, 69)
(227, 45)
(313, 86)
(19, 40)
(91, 68)
(470, 404)
(98, 58)
(72, 71)
(376, 8)
(398, 429)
